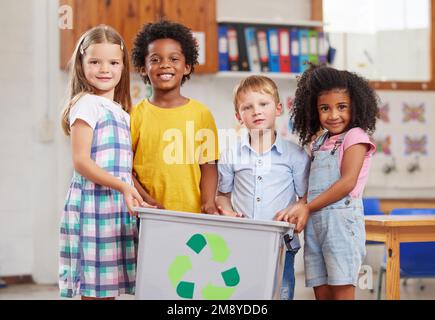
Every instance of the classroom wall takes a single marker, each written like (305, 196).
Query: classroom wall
(36, 161)
(17, 157)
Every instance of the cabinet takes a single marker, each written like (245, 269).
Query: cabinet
(128, 16)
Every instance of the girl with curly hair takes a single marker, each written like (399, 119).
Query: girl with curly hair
(334, 112)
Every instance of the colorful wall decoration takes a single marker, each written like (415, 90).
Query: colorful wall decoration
(384, 113)
(413, 113)
(383, 145)
(416, 145)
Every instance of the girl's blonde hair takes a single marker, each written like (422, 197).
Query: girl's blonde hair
(257, 84)
(79, 85)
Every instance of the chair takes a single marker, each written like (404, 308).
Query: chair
(417, 259)
(372, 206)
(2, 283)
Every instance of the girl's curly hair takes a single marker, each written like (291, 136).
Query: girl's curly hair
(164, 29)
(319, 79)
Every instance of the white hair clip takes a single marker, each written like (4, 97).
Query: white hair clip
(122, 46)
(82, 52)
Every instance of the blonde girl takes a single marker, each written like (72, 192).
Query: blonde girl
(98, 234)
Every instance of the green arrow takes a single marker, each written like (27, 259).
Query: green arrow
(231, 277)
(178, 268)
(212, 292)
(218, 247)
(197, 243)
(185, 289)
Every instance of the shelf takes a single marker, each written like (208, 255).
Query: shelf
(243, 74)
(280, 22)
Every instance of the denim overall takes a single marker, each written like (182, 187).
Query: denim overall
(335, 235)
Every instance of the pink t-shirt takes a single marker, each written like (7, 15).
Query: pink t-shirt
(352, 137)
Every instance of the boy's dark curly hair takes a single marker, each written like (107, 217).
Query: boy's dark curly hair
(164, 30)
(318, 79)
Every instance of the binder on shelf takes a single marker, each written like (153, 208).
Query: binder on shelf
(252, 49)
(241, 44)
(304, 49)
(273, 47)
(263, 50)
(322, 47)
(313, 52)
(284, 50)
(224, 63)
(294, 50)
(233, 49)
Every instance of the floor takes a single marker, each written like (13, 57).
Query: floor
(410, 291)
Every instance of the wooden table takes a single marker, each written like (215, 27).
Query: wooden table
(393, 230)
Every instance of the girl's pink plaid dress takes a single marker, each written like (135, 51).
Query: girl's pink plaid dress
(98, 238)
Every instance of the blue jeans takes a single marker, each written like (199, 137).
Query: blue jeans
(288, 277)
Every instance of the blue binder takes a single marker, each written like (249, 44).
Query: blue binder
(294, 50)
(252, 49)
(304, 47)
(224, 63)
(273, 47)
(323, 47)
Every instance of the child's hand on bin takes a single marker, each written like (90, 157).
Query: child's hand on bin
(295, 214)
(230, 213)
(133, 199)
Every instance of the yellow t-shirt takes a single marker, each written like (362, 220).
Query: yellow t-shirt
(169, 145)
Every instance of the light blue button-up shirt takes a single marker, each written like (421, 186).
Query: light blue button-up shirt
(261, 185)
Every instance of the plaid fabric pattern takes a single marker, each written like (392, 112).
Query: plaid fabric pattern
(98, 237)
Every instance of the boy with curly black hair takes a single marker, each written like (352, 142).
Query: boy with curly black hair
(164, 30)
(343, 105)
(174, 138)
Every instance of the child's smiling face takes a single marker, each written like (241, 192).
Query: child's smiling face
(165, 64)
(334, 110)
(102, 66)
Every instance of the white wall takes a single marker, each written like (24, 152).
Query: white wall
(17, 156)
(50, 167)
(32, 184)
(35, 174)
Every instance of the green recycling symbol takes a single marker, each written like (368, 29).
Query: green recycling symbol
(220, 253)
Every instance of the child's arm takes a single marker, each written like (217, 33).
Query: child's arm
(223, 202)
(81, 141)
(351, 165)
(208, 186)
(145, 195)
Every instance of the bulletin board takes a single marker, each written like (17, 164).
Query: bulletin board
(403, 165)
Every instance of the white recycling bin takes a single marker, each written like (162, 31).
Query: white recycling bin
(208, 257)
